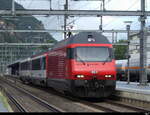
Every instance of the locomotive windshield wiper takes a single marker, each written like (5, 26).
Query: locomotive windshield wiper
(106, 59)
(81, 59)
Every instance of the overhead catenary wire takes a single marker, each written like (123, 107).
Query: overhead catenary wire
(30, 3)
(114, 20)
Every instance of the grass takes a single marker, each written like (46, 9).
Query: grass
(3, 99)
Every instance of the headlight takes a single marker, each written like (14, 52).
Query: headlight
(108, 75)
(80, 76)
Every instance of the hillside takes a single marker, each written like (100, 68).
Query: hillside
(21, 23)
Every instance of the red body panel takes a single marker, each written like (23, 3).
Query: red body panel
(78, 68)
(56, 63)
(58, 66)
(77, 45)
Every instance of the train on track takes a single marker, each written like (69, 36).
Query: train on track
(121, 66)
(82, 65)
(134, 60)
(134, 69)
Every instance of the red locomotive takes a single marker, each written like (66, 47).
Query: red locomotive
(82, 65)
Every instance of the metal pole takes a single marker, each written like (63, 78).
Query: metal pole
(102, 7)
(11, 54)
(65, 19)
(5, 59)
(103, 4)
(2, 63)
(128, 56)
(65, 23)
(50, 4)
(101, 23)
(143, 52)
(116, 37)
(113, 41)
(13, 7)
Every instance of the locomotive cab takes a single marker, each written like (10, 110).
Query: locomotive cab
(91, 68)
(89, 60)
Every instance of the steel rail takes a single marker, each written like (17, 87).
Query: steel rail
(14, 101)
(127, 106)
(139, 109)
(100, 107)
(38, 100)
(74, 99)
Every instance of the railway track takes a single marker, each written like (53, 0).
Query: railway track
(138, 109)
(104, 106)
(107, 105)
(111, 106)
(20, 106)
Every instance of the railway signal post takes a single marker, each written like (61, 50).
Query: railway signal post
(128, 23)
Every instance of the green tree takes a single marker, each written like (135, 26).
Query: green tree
(120, 50)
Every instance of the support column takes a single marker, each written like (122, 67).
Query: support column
(102, 8)
(143, 52)
(65, 20)
(128, 55)
(13, 7)
(113, 38)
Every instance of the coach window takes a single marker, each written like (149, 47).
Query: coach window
(27, 65)
(23, 66)
(36, 64)
(70, 52)
(43, 63)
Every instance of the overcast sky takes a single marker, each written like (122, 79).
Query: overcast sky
(85, 23)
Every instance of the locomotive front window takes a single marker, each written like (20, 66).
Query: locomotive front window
(100, 54)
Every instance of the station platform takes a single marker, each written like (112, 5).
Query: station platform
(133, 90)
(4, 106)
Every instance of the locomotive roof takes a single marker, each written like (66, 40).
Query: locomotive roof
(84, 38)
